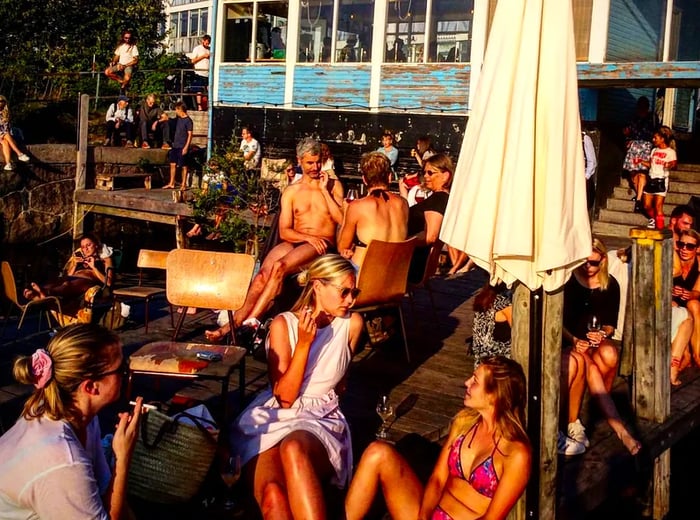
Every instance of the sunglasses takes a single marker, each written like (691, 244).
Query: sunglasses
(345, 291)
(593, 263)
(121, 370)
(686, 245)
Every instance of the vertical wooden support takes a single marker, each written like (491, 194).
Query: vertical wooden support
(543, 392)
(81, 162)
(652, 268)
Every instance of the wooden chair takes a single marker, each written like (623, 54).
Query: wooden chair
(10, 290)
(148, 259)
(431, 267)
(207, 280)
(383, 279)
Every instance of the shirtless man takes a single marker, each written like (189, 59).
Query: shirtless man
(380, 215)
(310, 211)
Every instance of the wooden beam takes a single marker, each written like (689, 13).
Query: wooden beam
(677, 74)
(81, 162)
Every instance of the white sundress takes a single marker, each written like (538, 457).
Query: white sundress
(263, 424)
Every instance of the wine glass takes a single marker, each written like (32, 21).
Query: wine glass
(386, 411)
(230, 473)
(593, 324)
(350, 195)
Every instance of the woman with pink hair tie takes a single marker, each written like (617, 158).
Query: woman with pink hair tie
(52, 465)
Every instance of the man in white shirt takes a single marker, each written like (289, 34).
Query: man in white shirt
(126, 56)
(200, 59)
(250, 148)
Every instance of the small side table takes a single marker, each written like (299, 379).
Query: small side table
(179, 360)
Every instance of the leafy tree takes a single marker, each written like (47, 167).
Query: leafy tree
(69, 36)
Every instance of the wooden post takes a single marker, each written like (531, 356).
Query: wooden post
(652, 271)
(542, 392)
(81, 162)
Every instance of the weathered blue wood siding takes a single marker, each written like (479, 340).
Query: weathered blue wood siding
(331, 87)
(242, 84)
(635, 30)
(425, 88)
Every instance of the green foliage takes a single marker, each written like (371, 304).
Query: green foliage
(239, 197)
(67, 36)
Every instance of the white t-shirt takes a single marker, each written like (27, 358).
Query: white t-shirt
(126, 53)
(45, 472)
(248, 146)
(659, 158)
(201, 68)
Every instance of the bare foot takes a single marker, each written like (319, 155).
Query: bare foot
(632, 444)
(196, 230)
(215, 336)
(168, 187)
(190, 310)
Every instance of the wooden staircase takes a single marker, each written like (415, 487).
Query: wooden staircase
(618, 217)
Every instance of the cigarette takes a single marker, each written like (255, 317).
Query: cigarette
(144, 406)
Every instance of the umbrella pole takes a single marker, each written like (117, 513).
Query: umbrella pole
(536, 345)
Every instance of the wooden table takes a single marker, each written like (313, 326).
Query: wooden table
(179, 360)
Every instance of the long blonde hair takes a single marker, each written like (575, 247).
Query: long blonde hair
(505, 379)
(78, 353)
(603, 275)
(326, 268)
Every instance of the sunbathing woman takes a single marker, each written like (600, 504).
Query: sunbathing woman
(380, 215)
(90, 265)
(482, 469)
(293, 437)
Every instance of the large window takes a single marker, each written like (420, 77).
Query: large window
(187, 27)
(255, 31)
(349, 39)
(444, 24)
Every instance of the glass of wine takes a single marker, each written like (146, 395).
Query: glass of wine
(593, 323)
(385, 411)
(230, 473)
(350, 195)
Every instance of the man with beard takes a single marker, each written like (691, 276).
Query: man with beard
(682, 219)
(310, 211)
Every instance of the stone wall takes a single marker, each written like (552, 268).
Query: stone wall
(36, 198)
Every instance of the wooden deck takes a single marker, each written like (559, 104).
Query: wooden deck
(428, 391)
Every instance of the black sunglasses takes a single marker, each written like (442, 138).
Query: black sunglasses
(686, 245)
(593, 263)
(121, 369)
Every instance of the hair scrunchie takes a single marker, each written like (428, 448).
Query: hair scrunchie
(42, 368)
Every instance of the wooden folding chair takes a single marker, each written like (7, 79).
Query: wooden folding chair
(383, 279)
(207, 280)
(10, 290)
(148, 259)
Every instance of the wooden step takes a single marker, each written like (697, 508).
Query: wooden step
(626, 205)
(111, 181)
(672, 198)
(611, 229)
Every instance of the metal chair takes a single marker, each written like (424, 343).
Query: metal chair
(383, 280)
(208, 280)
(148, 259)
(10, 290)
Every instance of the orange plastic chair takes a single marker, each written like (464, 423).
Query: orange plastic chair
(207, 280)
(383, 279)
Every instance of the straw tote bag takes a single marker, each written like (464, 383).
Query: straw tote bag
(171, 458)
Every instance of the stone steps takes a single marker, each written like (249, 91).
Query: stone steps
(617, 217)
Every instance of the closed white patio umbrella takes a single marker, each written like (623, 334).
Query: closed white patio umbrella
(518, 199)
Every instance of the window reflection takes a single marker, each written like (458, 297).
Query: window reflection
(354, 31)
(267, 20)
(447, 28)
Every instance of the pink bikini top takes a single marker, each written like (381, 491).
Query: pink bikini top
(483, 477)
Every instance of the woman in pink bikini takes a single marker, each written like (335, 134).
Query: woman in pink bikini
(483, 467)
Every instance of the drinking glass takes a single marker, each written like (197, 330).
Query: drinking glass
(385, 411)
(350, 195)
(230, 473)
(593, 324)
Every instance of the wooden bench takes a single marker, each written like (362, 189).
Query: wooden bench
(109, 181)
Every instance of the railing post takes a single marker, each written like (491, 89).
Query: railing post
(81, 162)
(652, 271)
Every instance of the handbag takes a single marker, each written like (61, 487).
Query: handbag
(655, 185)
(171, 458)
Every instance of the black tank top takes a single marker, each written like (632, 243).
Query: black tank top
(687, 283)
